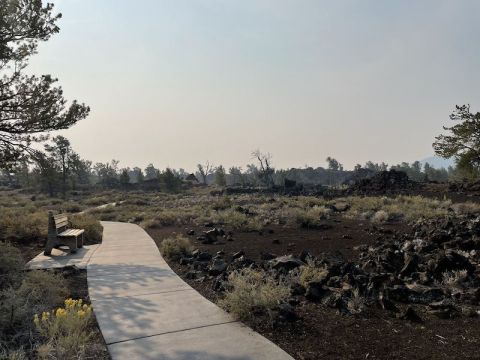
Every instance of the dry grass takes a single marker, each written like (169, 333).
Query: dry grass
(23, 224)
(466, 208)
(407, 208)
(356, 303)
(454, 280)
(310, 272)
(381, 216)
(249, 212)
(37, 291)
(176, 247)
(253, 291)
(11, 265)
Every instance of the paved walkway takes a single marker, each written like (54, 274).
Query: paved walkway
(63, 258)
(145, 311)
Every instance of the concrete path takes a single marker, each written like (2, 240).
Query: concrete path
(145, 311)
(61, 258)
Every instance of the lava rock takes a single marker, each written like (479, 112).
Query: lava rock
(386, 304)
(287, 262)
(286, 313)
(210, 236)
(421, 294)
(265, 256)
(204, 256)
(450, 261)
(411, 264)
(297, 289)
(217, 267)
(399, 293)
(410, 315)
(238, 254)
(193, 274)
(185, 261)
(315, 292)
(305, 255)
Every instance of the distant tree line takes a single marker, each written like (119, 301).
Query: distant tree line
(58, 169)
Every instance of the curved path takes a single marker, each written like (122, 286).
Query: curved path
(145, 311)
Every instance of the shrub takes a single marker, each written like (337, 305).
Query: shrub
(236, 220)
(406, 208)
(65, 331)
(72, 207)
(311, 273)
(454, 279)
(11, 265)
(222, 203)
(93, 228)
(42, 289)
(356, 303)
(252, 291)
(311, 217)
(38, 290)
(162, 218)
(9, 354)
(24, 225)
(466, 208)
(380, 216)
(176, 247)
(97, 200)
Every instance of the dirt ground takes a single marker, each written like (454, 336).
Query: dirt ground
(323, 333)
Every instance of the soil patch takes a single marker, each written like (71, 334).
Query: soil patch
(338, 235)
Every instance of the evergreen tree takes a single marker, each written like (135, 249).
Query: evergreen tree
(220, 176)
(30, 106)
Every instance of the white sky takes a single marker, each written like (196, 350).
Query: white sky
(180, 82)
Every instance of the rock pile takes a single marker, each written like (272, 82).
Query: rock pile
(435, 269)
(384, 182)
(465, 187)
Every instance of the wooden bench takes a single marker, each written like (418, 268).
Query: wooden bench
(60, 235)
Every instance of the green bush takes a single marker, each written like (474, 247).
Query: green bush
(93, 228)
(252, 291)
(176, 247)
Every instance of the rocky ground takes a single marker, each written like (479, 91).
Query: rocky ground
(390, 291)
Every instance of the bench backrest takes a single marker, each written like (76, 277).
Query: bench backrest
(57, 223)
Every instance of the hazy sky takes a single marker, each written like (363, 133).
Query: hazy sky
(180, 82)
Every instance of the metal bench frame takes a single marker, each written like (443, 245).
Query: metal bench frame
(60, 235)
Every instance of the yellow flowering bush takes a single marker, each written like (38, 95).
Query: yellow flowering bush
(65, 329)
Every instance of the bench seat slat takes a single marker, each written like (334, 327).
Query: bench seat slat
(71, 232)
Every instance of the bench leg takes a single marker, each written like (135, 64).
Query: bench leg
(51, 242)
(80, 244)
(73, 245)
